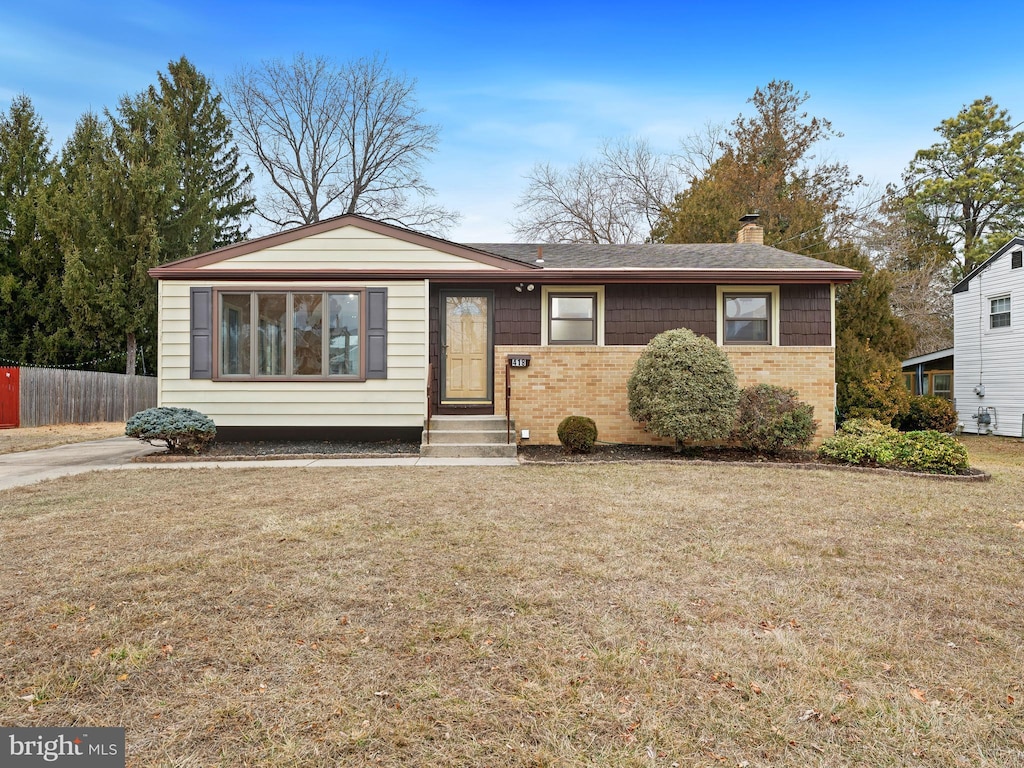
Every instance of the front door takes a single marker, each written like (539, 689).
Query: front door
(466, 351)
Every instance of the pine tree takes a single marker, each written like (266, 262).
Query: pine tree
(212, 201)
(25, 166)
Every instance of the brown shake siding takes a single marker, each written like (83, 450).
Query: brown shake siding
(804, 312)
(635, 314)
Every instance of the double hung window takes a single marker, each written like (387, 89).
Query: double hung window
(999, 312)
(747, 318)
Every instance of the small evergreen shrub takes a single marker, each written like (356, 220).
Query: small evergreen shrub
(771, 419)
(577, 434)
(683, 387)
(868, 442)
(930, 451)
(930, 412)
(182, 430)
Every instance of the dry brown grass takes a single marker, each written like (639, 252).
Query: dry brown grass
(31, 438)
(607, 615)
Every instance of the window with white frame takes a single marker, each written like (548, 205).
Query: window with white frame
(999, 312)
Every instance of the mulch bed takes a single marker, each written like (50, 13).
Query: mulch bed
(533, 454)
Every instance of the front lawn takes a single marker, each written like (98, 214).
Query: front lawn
(613, 615)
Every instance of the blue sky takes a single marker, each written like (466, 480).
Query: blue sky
(516, 84)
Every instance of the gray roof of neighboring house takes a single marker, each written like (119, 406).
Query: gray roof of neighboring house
(654, 256)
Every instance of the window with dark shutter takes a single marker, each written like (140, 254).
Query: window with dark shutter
(376, 333)
(201, 330)
(1016, 259)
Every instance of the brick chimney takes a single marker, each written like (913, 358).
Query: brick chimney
(750, 230)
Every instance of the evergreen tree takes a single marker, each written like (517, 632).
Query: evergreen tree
(25, 166)
(766, 166)
(971, 184)
(121, 215)
(212, 200)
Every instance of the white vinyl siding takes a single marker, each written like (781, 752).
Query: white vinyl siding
(348, 247)
(397, 401)
(990, 356)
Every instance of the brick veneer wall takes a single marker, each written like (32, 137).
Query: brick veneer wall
(591, 381)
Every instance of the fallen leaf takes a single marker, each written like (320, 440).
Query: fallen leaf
(95, 652)
(755, 688)
(122, 678)
(918, 694)
(1019, 525)
(809, 714)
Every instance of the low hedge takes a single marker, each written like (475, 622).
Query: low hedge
(867, 442)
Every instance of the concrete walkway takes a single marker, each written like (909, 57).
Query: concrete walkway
(30, 467)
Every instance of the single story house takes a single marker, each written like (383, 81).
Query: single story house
(352, 327)
(930, 374)
(988, 344)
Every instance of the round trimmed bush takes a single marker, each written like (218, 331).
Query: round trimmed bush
(182, 430)
(683, 387)
(577, 434)
(771, 419)
(930, 412)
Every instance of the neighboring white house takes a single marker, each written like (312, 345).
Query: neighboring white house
(988, 347)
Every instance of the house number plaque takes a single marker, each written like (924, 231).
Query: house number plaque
(519, 361)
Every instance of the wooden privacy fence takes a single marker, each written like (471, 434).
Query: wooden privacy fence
(57, 396)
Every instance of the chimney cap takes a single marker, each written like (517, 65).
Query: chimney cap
(749, 218)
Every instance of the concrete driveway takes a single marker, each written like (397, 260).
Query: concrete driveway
(30, 467)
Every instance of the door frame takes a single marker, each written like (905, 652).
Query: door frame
(443, 400)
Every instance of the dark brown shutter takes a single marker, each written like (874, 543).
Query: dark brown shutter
(201, 327)
(376, 333)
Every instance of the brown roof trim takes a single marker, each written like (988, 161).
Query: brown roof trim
(545, 276)
(337, 222)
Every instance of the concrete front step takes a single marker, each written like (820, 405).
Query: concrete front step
(469, 437)
(468, 422)
(468, 450)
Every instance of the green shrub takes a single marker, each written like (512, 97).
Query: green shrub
(930, 451)
(865, 426)
(577, 434)
(930, 412)
(683, 387)
(868, 442)
(771, 419)
(182, 430)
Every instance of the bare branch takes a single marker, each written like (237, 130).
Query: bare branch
(615, 198)
(335, 139)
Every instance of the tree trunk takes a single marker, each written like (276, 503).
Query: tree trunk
(129, 367)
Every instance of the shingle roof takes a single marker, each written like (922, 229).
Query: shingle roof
(654, 256)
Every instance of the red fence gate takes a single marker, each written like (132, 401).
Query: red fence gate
(9, 398)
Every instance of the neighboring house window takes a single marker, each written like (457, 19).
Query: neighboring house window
(290, 334)
(910, 382)
(999, 312)
(940, 384)
(1016, 259)
(746, 318)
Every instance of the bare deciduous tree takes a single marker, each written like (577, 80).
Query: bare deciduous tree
(614, 198)
(334, 139)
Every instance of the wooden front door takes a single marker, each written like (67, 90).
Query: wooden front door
(466, 350)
